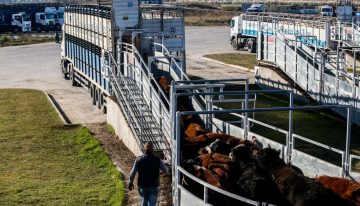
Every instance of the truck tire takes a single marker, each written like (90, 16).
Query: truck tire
(97, 97)
(38, 29)
(102, 102)
(234, 44)
(72, 77)
(64, 69)
(251, 45)
(92, 94)
(16, 29)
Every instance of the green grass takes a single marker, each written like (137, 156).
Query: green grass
(110, 129)
(44, 162)
(350, 70)
(244, 60)
(6, 40)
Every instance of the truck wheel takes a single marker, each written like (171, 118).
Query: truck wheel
(92, 94)
(64, 69)
(234, 44)
(72, 78)
(16, 29)
(38, 29)
(100, 99)
(251, 46)
(96, 97)
(102, 102)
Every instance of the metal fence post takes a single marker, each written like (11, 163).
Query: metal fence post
(346, 164)
(290, 139)
(246, 122)
(177, 177)
(205, 195)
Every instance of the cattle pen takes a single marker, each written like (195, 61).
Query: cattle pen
(290, 155)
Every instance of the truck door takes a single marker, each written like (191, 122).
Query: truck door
(17, 20)
(234, 27)
(42, 19)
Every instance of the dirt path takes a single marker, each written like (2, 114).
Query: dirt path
(123, 158)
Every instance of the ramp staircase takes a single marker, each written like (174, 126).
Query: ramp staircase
(146, 123)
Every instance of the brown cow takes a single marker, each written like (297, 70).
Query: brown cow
(299, 190)
(193, 130)
(347, 189)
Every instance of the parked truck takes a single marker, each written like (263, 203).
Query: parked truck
(14, 22)
(91, 32)
(327, 10)
(244, 29)
(44, 21)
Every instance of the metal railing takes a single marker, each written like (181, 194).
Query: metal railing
(320, 73)
(152, 94)
(291, 138)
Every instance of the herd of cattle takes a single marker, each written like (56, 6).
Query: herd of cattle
(245, 168)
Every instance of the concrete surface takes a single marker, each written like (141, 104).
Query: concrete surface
(37, 67)
(210, 40)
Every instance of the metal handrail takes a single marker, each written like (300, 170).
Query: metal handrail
(172, 59)
(221, 191)
(113, 77)
(164, 114)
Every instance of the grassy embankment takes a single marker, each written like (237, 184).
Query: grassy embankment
(8, 40)
(44, 162)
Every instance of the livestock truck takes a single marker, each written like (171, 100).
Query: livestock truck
(92, 32)
(14, 22)
(244, 29)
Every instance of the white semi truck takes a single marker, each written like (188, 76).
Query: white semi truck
(44, 21)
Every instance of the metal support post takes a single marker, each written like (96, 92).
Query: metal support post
(337, 74)
(290, 139)
(354, 80)
(177, 145)
(346, 164)
(246, 122)
(205, 195)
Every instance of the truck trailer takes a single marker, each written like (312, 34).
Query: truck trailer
(90, 32)
(315, 31)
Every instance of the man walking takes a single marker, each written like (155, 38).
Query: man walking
(149, 167)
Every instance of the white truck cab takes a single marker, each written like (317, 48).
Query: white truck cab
(21, 22)
(327, 10)
(44, 21)
(239, 38)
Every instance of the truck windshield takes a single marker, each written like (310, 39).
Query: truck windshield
(49, 16)
(26, 18)
(326, 10)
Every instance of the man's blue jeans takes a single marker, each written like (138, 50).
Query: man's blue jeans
(148, 196)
